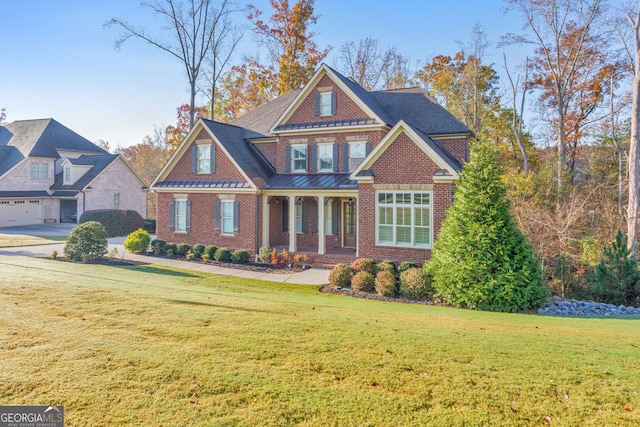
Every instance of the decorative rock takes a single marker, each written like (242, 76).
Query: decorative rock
(562, 307)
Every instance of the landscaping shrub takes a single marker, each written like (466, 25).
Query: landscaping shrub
(183, 249)
(87, 242)
(190, 256)
(264, 254)
(616, 279)
(210, 251)
(385, 283)
(197, 250)
(171, 249)
(362, 281)
(138, 241)
(299, 260)
(364, 264)
(481, 259)
(406, 265)
(240, 256)
(223, 254)
(416, 283)
(115, 221)
(341, 275)
(159, 246)
(387, 266)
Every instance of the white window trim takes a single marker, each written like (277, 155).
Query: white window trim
(324, 96)
(352, 144)
(68, 175)
(293, 158)
(175, 220)
(206, 149)
(42, 170)
(330, 168)
(231, 218)
(412, 206)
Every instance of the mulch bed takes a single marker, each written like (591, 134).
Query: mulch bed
(248, 266)
(330, 289)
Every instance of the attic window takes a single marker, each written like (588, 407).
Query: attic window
(325, 104)
(67, 175)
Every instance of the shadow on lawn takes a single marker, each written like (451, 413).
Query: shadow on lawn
(156, 270)
(229, 307)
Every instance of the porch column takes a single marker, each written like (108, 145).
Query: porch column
(292, 224)
(355, 200)
(321, 226)
(265, 221)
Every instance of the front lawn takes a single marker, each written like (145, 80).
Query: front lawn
(18, 240)
(148, 345)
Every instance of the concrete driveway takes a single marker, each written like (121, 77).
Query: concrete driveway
(54, 229)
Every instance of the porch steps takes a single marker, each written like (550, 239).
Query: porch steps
(328, 261)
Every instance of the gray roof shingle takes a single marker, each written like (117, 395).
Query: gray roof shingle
(23, 194)
(99, 162)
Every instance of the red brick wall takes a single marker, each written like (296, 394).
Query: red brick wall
(202, 223)
(345, 108)
(458, 148)
(403, 163)
(225, 169)
(269, 150)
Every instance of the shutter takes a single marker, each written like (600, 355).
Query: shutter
(333, 103)
(285, 215)
(287, 165)
(212, 161)
(172, 215)
(314, 216)
(345, 158)
(194, 159)
(335, 157)
(314, 158)
(367, 148)
(236, 216)
(217, 218)
(188, 219)
(317, 104)
(334, 217)
(305, 216)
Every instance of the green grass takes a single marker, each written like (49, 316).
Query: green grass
(18, 240)
(153, 346)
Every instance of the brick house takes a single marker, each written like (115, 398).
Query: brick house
(330, 169)
(48, 173)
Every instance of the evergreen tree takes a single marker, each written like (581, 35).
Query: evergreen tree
(481, 260)
(616, 279)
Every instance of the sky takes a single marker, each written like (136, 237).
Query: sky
(58, 61)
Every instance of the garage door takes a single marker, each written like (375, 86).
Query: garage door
(14, 213)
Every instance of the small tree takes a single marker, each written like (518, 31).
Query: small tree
(481, 260)
(616, 279)
(87, 242)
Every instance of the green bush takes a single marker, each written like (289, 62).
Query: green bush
(362, 281)
(183, 249)
(210, 251)
(415, 282)
(264, 254)
(159, 246)
(364, 264)
(341, 275)
(171, 253)
(115, 221)
(406, 265)
(481, 259)
(138, 241)
(385, 283)
(197, 250)
(223, 254)
(240, 256)
(171, 249)
(87, 242)
(616, 279)
(387, 266)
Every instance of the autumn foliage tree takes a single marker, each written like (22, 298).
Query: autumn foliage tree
(175, 134)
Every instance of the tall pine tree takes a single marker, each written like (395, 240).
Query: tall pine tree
(481, 260)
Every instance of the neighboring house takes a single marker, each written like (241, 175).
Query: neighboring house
(48, 173)
(330, 169)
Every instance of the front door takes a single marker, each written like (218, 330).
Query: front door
(350, 221)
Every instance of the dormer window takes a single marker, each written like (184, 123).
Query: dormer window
(325, 104)
(67, 175)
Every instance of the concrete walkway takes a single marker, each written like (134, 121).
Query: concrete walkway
(312, 276)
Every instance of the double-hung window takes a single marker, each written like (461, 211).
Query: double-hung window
(404, 219)
(204, 158)
(39, 170)
(181, 215)
(227, 216)
(299, 157)
(325, 157)
(325, 103)
(357, 153)
(67, 175)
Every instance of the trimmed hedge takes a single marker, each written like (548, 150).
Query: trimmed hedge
(240, 256)
(362, 281)
(87, 242)
(341, 275)
(223, 254)
(385, 283)
(116, 222)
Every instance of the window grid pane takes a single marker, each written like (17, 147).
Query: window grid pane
(299, 157)
(325, 157)
(227, 217)
(181, 215)
(404, 219)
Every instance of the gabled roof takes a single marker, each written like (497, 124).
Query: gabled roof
(99, 162)
(9, 157)
(44, 137)
(262, 118)
(233, 141)
(448, 166)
